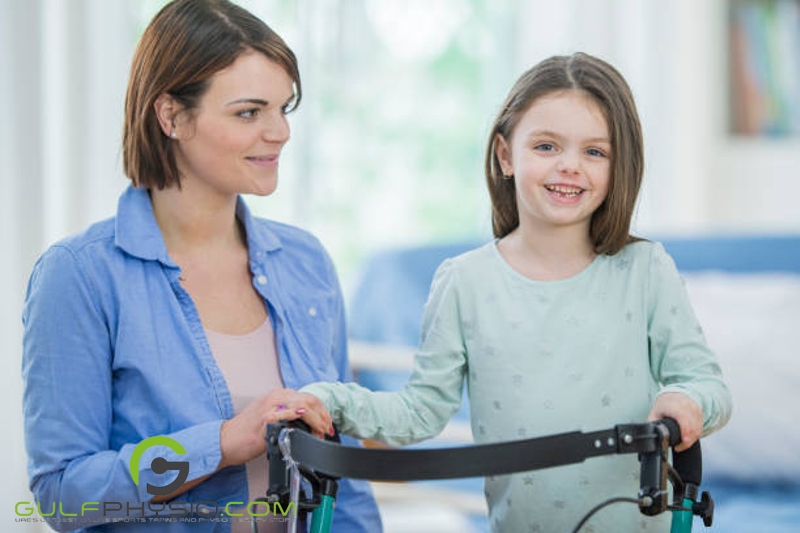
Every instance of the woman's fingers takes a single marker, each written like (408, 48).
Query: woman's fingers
(287, 404)
(242, 437)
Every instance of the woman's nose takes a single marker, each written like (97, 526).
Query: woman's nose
(276, 129)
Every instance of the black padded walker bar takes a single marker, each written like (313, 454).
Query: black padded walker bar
(482, 460)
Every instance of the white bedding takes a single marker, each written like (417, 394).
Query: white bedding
(752, 322)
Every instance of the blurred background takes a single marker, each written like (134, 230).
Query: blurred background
(387, 146)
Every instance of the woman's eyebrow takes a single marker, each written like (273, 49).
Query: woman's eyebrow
(256, 101)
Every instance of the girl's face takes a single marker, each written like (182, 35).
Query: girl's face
(560, 156)
(232, 141)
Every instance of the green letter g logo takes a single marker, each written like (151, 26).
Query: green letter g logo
(160, 465)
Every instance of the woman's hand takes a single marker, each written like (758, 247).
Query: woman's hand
(242, 437)
(686, 413)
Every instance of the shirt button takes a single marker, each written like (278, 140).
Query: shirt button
(262, 279)
(312, 311)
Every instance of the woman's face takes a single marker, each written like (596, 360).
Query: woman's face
(232, 141)
(560, 156)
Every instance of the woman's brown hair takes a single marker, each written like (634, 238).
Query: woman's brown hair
(610, 225)
(185, 44)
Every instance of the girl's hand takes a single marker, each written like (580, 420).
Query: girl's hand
(242, 437)
(686, 413)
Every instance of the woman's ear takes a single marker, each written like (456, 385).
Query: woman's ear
(167, 108)
(503, 153)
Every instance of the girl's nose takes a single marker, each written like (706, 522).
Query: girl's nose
(569, 163)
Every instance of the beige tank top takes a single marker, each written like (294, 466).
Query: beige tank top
(250, 365)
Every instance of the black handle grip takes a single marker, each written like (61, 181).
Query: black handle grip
(674, 430)
(688, 463)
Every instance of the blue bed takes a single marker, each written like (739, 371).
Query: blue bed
(746, 293)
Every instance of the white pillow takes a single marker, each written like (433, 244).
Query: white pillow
(752, 322)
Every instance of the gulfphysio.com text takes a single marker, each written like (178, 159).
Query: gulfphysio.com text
(153, 512)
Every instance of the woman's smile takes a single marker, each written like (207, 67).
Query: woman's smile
(267, 161)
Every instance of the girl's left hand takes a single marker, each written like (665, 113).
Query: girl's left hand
(686, 413)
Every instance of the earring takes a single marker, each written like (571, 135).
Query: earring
(508, 176)
(173, 134)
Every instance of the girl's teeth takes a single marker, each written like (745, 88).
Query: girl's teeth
(566, 191)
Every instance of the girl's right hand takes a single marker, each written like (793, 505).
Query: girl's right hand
(242, 438)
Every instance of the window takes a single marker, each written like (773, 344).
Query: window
(387, 145)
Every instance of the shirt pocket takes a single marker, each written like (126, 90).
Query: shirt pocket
(312, 324)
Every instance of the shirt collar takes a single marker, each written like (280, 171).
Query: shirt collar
(138, 234)
(260, 238)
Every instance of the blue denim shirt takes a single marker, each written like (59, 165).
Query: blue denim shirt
(114, 352)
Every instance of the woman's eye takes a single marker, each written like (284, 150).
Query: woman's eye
(248, 113)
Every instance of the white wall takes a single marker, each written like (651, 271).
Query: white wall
(745, 185)
(59, 161)
(19, 184)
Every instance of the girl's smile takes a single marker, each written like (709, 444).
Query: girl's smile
(566, 194)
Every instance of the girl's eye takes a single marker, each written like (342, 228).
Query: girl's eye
(594, 152)
(544, 147)
(248, 113)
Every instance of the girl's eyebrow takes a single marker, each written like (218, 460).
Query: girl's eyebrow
(549, 133)
(594, 140)
(544, 133)
(256, 101)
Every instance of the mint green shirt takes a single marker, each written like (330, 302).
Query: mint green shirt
(584, 353)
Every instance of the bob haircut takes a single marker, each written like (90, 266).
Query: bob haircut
(185, 44)
(610, 224)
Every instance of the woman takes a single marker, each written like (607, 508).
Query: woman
(184, 316)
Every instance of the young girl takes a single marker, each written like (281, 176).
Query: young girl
(564, 321)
